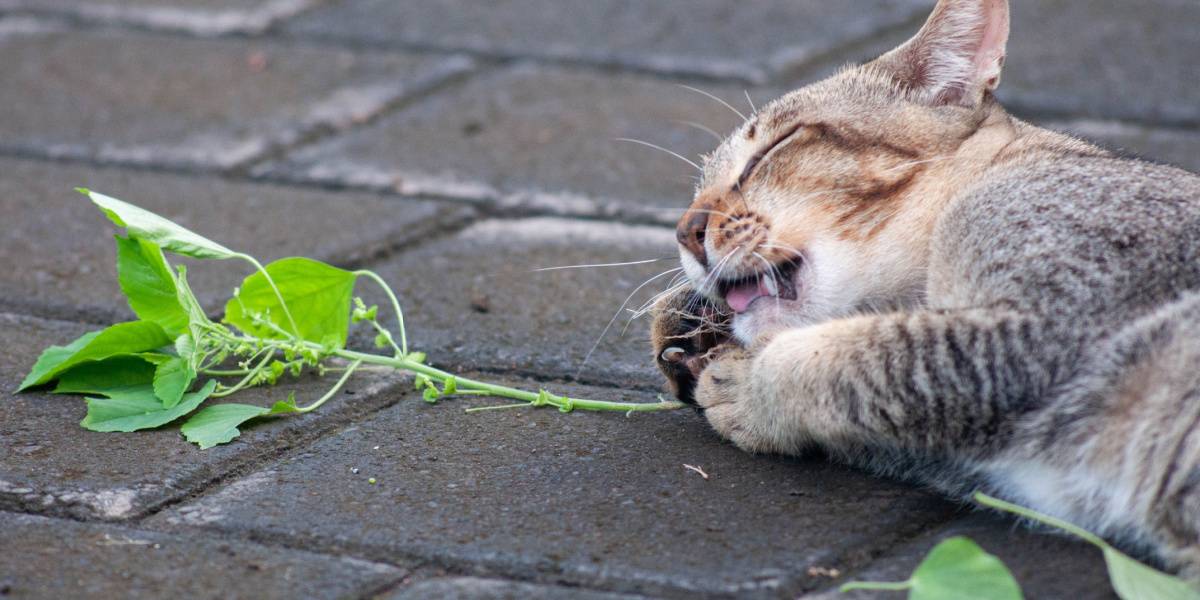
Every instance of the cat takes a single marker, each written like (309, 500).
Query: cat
(887, 266)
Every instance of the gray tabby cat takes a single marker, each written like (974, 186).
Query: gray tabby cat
(888, 266)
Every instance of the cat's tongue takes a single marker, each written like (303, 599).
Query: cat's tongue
(741, 296)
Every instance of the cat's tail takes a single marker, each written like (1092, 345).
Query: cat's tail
(1142, 406)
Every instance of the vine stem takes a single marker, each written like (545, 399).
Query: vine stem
(274, 288)
(1034, 515)
(533, 398)
(395, 305)
(333, 390)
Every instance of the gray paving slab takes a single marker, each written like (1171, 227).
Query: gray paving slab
(474, 300)
(1105, 59)
(1179, 147)
(51, 465)
(700, 37)
(185, 102)
(477, 588)
(62, 257)
(539, 137)
(202, 17)
(54, 558)
(603, 501)
(1045, 565)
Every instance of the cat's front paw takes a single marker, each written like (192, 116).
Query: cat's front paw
(687, 334)
(724, 393)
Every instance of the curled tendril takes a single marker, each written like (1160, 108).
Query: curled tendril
(567, 406)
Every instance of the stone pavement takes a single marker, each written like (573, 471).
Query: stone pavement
(455, 146)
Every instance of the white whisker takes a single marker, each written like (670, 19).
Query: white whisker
(622, 264)
(726, 104)
(704, 128)
(753, 109)
(657, 147)
(618, 314)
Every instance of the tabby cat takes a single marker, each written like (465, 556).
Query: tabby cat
(888, 266)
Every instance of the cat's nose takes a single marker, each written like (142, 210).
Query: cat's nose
(690, 233)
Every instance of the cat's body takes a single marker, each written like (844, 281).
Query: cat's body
(927, 287)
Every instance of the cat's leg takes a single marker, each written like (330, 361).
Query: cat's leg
(934, 383)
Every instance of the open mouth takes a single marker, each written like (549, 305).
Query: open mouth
(779, 283)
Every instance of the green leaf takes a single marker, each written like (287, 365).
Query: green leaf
(101, 377)
(317, 294)
(139, 408)
(1131, 579)
(1134, 581)
(123, 338)
(172, 378)
(148, 284)
(959, 568)
(153, 228)
(956, 568)
(219, 424)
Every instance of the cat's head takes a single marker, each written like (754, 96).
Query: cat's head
(821, 205)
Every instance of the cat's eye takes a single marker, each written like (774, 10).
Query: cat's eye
(761, 154)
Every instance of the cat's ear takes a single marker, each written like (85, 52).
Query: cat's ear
(957, 56)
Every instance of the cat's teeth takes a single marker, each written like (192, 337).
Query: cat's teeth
(771, 285)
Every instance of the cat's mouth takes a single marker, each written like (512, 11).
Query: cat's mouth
(778, 282)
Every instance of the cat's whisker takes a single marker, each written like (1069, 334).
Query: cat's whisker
(645, 308)
(753, 109)
(592, 350)
(726, 104)
(660, 148)
(597, 266)
(702, 127)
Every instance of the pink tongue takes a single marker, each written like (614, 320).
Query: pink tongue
(740, 297)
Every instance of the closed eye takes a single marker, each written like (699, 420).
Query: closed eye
(761, 154)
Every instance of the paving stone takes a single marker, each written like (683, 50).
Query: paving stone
(1173, 146)
(53, 558)
(66, 260)
(536, 137)
(187, 102)
(474, 300)
(1045, 565)
(1109, 59)
(703, 37)
(598, 500)
(475, 588)
(203, 17)
(49, 464)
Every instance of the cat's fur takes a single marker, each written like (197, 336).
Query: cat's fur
(979, 303)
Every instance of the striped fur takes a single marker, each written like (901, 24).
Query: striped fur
(981, 304)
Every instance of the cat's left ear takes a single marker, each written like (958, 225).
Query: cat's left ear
(957, 56)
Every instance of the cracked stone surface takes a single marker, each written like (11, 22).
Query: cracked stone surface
(68, 259)
(1124, 60)
(475, 588)
(145, 99)
(535, 137)
(55, 558)
(202, 17)
(457, 146)
(501, 314)
(51, 465)
(1046, 565)
(579, 498)
(702, 37)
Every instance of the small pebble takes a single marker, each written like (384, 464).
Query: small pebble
(375, 448)
(354, 470)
